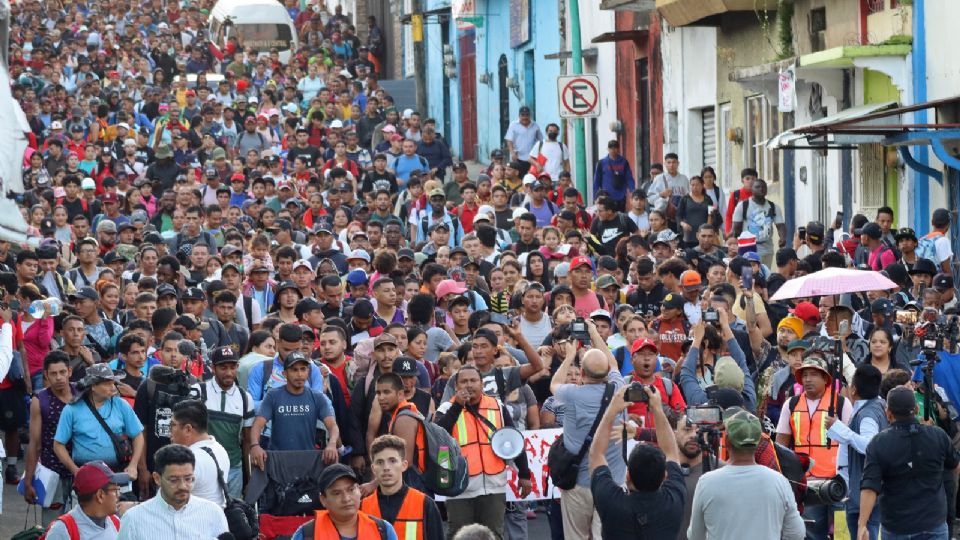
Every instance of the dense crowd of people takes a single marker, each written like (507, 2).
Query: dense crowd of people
(252, 271)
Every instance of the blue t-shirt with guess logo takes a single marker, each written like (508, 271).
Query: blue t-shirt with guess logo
(295, 417)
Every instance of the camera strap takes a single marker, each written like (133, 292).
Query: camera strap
(588, 440)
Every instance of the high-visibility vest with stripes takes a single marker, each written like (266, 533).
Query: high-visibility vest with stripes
(409, 521)
(324, 529)
(810, 435)
(474, 438)
(420, 450)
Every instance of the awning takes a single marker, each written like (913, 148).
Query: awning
(843, 57)
(639, 6)
(587, 53)
(822, 133)
(621, 35)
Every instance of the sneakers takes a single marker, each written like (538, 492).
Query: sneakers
(10, 474)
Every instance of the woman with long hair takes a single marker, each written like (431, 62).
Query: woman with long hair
(37, 330)
(261, 346)
(881, 350)
(537, 270)
(695, 209)
(713, 189)
(109, 300)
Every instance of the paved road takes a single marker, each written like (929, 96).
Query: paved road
(14, 512)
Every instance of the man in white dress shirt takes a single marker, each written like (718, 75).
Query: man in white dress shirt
(173, 512)
(189, 428)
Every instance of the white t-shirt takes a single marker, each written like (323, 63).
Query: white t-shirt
(536, 332)
(944, 249)
(555, 152)
(205, 470)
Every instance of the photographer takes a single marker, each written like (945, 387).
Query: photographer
(868, 420)
(698, 372)
(802, 427)
(763, 501)
(652, 507)
(581, 406)
(913, 504)
(691, 464)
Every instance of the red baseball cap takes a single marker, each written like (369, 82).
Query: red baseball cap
(110, 197)
(238, 177)
(580, 261)
(643, 343)
(807, 312)
(95, 476)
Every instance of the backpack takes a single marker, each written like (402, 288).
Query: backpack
(71, 524)
(448, 479)
(240, 138)
(927, 246)
(550, 205)
(267, 372)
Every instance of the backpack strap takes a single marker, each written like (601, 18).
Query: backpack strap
(668, 387)
(116, 521)
(501, 384)
(248, 311)
(793, 402)
(267, 373)
(73, 531)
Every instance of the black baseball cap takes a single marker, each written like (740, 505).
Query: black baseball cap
(223, 355)
(305, 306)
(194, 293)
(405, 367)
(872, 230)
(942, 282)
(332, 473)
(165, 288)
(905, 232)
(924, 266)
(294, 358)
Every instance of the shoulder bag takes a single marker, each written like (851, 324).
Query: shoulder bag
(564, 464)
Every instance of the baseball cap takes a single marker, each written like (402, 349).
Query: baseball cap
(901, 401)
(727, 374)
(405, 253)
(302, 263)
(294, 358)
(85, 293)
(107, 226)
(690, 280)
(165, 289)
(807, 312)
(905, 232)
(801, 344)
(942, 282)
(356, 277)
(449, 286)
(384, 339)
(924, 266)
(223, 355)
(580, 261)
(363, 309)
(524, 110)
(194, 293)
(359, 254)
(405, 367)
(643, 343)
(605, 281)
(307, 305)
(88, 183)
(815, 232)
(601, 314)
(562, 269)
(881, 305)
(332, 473)
(672, 301)
(743, 430)
(872, 230)
(94, 476)
(191, 322)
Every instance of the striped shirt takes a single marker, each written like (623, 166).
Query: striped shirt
(199, 519)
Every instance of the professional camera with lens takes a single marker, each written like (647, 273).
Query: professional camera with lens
(636, 393)
(829, 491)
(711, 316)
(579, 330)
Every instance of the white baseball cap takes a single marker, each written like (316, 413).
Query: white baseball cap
(88, 183)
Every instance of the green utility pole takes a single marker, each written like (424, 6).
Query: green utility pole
(579, 136)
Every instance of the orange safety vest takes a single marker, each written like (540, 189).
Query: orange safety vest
(324, 529)
(474, 438)
(409, 521)
(810, 435)
(420, 450)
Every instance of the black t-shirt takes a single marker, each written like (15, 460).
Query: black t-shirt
(647, 302)
(650, 515)
(608, 233)
(374, 181)
(311, 153)
(523, 247)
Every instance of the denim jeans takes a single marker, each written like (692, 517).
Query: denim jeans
(235, 482)
(873, 524)
(818, 529)
(938, 533)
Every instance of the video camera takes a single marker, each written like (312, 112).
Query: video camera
(931, 336)
(711, 316)
(827, 491)
(707, 418)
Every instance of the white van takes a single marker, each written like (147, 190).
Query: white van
(258, 24)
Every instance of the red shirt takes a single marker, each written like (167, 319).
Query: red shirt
(466, 214)
(341, 374)
(586, 304)
(732, 204)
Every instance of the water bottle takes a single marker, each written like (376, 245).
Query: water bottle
(55, 305)
(36, 309)
(443, 458)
